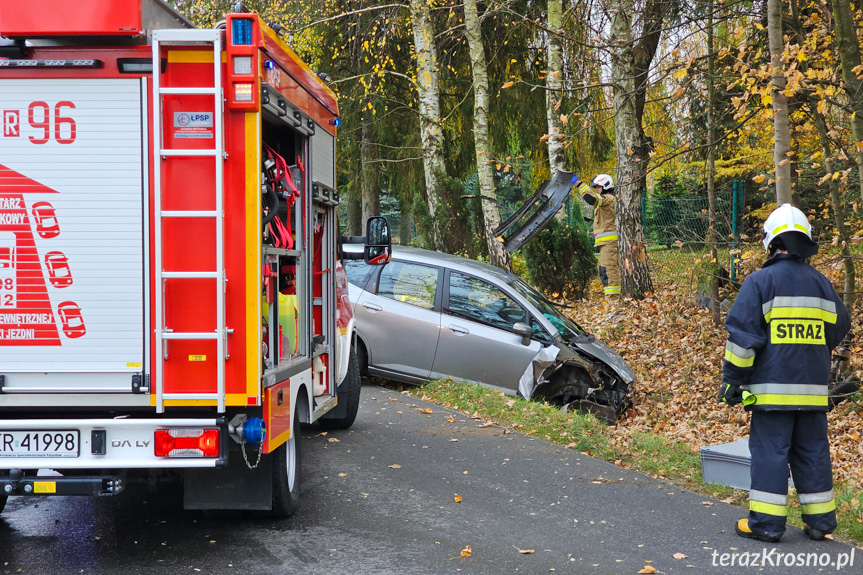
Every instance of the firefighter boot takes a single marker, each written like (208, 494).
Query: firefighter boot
(814, 534)
(743, 530)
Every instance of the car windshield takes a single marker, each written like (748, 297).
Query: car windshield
(566, 328)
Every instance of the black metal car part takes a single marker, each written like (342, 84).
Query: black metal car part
(535, 214)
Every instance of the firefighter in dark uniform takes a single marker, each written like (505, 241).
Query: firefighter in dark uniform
(781, 330)
(600, 195)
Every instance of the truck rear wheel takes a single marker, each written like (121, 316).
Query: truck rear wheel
(286, 474)
(349, 393)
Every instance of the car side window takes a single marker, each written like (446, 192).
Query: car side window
(480, 301)
(409, 283)
(358, 272)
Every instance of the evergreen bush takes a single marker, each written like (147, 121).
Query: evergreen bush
(561, 260)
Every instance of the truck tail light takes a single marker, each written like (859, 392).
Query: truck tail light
(243, 92)
(186, 443)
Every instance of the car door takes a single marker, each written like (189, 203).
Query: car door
(477, 342)
(399, 319)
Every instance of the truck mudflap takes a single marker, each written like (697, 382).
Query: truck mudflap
(126, 443)
(16, 483)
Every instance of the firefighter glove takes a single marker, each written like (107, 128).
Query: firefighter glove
(575, 181)
(730, 394)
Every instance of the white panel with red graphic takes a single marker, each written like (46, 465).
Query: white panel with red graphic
(71, 229)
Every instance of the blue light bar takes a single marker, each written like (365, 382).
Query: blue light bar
(241, 32)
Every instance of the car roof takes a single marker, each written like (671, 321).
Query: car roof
(457, 263)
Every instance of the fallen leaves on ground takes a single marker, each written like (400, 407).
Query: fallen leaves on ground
(426, 410)
(525, 551)
(467, 551)
(648, 569)
(680, 555)
(458, 498)
(395, 466)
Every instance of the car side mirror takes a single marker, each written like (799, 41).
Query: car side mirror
(525, 331)
(378, 250)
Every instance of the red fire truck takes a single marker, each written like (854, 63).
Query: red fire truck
(171, 301)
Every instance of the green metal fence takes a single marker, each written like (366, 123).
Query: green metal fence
(676, 231)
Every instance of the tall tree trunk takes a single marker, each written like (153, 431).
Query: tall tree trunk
(711, 170)
(781, 132)
(428, 86)
(490, 213)
(355, 211)
(849, 58)
(630, 63)
(835, 199)
(838, 207)
(554, 87)
(355, 204)
(371, 191)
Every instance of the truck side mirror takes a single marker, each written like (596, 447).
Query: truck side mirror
(378, 250)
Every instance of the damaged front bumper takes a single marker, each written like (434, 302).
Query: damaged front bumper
(586, 375)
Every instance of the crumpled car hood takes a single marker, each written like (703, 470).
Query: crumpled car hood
(598, 350)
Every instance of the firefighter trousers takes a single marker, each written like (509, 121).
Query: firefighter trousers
(777, 440)
(609, 272)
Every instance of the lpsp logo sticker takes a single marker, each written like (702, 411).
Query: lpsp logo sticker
(193, 119)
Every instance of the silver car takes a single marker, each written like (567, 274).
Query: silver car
(430, 315)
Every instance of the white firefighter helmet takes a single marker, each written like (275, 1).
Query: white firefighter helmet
(604, 181)
(785, 218)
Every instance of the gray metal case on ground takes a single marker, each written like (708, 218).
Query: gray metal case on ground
(727, 464)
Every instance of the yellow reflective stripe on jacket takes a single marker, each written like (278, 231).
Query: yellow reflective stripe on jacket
(612, 290)
(804, 307)
(739, 361)
(801, 400)
(800, 313)
(787, 388)
(605, 237)
(738, 355)
(768, 508)
(816, 508)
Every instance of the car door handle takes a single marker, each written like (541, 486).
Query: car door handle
(372, 307)
(459, 330)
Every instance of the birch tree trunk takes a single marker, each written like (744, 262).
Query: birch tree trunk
(490, 212)
(849, 58)
(371, 191)
(630, 64)
(554, 87)
(428, 86)
(781, 132)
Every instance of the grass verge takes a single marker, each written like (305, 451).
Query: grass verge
(646, 452)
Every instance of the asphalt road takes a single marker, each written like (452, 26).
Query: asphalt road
(381, 498)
